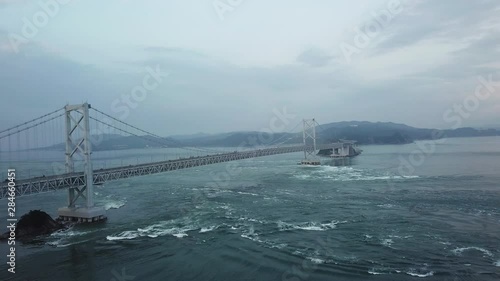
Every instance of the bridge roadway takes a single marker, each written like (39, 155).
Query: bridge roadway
(56, 182)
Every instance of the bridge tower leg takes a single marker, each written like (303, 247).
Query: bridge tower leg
(309, 137)
(78, 144)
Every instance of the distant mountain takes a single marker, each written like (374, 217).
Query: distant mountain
(117, 142)
(373, 133)
(243, 139)
(367, 132)
(391, 133)
(361, 131)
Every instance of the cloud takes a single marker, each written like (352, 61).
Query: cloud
(174, 52)
(314, 57)
(447, 20)
(426, 59)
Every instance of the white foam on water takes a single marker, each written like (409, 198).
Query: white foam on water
(309, 226)
(279, 246)
(154, 231)
(111, 203)
(302, 177)
(408, 177)
(66, 237)
(312, 166)
(251, 220)
(459, 251)
(421, 275)
(253, 236)
(247, 193)
(388, 206)
(316, 260)
(387, 242)
(374, 272)
(401, 237)
(325, 169)
(207, 229)
(250, 234)
(345, 174)
(332, 224)
(497, 263)
(58, 244)
(114, 205)
(69, 233)
(125, 235)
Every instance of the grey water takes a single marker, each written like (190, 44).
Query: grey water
(426, 211)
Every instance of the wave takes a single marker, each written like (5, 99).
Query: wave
(316, 260)
(58, 243)
(412, 272)
(387, 242)
(251, 220)
(373, 271)
(497, 263)
(208, 229)
(250, 234)
(126, 235)
(310, 226)
(69, 233)
(64, 237)
(459, 251)
(111, 203)
(247, 193)
(325, 169)
(114, 205)
(387, 206)
(154, 231)
(345, 174)
(253, 236)
(418, 274)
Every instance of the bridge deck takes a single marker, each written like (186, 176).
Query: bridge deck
(52, 183)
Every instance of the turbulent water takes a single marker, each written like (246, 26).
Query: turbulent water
(392, 213)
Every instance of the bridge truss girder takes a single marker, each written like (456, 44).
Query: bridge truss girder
(77, 179)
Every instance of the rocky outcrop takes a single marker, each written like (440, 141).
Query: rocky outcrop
(33, 224)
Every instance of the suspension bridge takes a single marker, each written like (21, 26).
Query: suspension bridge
(78, 127)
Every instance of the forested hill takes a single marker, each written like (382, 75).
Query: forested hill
(361, 131)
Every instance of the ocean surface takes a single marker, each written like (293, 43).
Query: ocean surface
(423, 211)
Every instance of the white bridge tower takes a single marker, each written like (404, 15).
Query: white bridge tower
(78, 145)
(309, 137)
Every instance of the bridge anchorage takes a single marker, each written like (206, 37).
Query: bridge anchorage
(78, 124)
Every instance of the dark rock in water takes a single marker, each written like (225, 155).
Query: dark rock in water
(33, 224)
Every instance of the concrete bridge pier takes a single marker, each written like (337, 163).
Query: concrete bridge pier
(81, 215)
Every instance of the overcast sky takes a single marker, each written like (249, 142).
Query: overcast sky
(232, 63)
